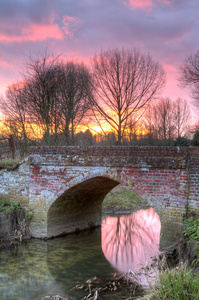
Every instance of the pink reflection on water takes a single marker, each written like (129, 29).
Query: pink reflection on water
(128, 242)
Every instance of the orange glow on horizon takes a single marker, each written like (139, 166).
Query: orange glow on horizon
(38, 134)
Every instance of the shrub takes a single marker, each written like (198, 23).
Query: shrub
(191, 232)
(181, 141)
(4, 205)
(177, 284)
(195, 141)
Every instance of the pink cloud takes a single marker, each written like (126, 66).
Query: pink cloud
(39, 32)
(34, 32)
(169, 67)
(146, 4)
(142, 4)
(71, 24)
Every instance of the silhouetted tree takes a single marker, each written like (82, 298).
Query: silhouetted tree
(182, 116)
(14, 110)
(166, 120)
(41, 93)
(74, 84)
(189, 76)
(124, 82)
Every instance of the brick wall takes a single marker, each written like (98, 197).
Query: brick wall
(167, 177)
(14, 185)
(193, 178)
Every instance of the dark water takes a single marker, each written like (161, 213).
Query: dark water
(39, 268)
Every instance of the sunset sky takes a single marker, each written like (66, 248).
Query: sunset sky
(76, 29)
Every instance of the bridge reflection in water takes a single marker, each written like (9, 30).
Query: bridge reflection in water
(128, 242)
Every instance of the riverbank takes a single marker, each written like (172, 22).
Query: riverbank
(122, 200)
(13, 222)
(180, 281)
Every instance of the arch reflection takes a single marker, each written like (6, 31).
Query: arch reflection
(128, 242)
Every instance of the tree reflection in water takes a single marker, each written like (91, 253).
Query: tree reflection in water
(128, 242)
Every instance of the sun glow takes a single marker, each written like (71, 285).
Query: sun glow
(34, 131)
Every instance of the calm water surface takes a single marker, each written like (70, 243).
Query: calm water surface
(39, 268)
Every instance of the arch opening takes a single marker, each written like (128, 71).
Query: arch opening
(79, 208)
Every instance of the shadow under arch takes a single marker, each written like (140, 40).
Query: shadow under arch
(79, 208)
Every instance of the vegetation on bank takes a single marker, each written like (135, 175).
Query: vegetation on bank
(191, 232)
(8, 162)
(13, 206)
(6, 206)
(122, 200)
(179, 283)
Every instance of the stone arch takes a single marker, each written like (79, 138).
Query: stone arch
(84, 176)
(79, 206)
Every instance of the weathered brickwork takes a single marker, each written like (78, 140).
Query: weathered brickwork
(14, 185)
(193, 178)
(65, 186)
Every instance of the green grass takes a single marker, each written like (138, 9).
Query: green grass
(177, 284)
(6, 206)
(191, 232)
(122, 199)
(8, 162)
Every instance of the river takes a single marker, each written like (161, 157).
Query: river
(37, 268)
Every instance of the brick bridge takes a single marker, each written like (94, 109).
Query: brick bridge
(65, 186)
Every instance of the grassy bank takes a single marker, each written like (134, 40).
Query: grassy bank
(191, 233)
(8, 162)
(179, 283)
(182, 281)
(122, 199)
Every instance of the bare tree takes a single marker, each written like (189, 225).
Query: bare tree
(166, 120)
(125, 81)
(74, 84)
(14, 109)
(182, 116)
(189, 76)
(40, 77)
(151, 124)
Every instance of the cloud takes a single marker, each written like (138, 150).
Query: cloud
(71, 24)
(147, 4)
(31, 31)
(35, 32)
(141, 4)
(40, 30)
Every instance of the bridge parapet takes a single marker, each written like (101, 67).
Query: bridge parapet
(131, 157)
